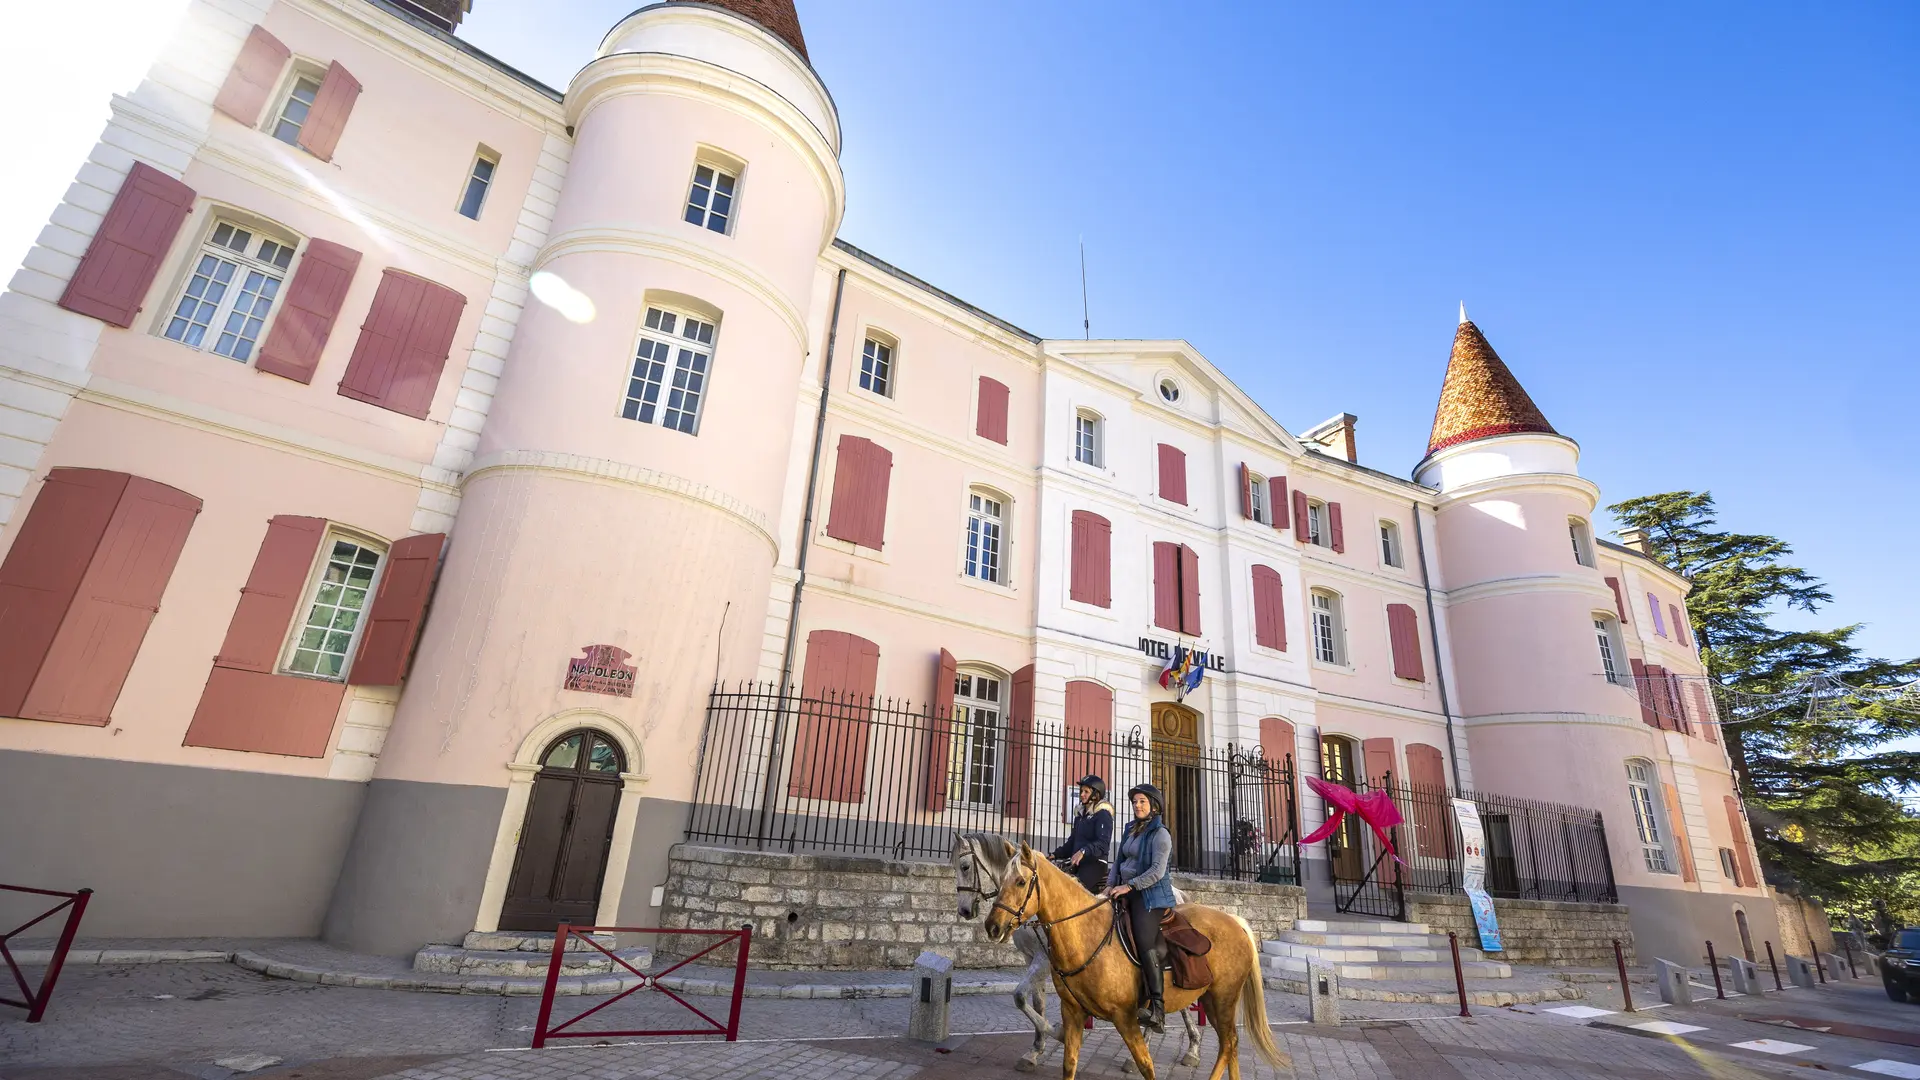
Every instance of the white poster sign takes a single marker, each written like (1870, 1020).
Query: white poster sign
(1473, 873)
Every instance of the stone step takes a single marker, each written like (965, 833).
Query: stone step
(449, 960)
(1429, 954)
(1366, 941)
(527, 941)
(1358, 926)
(1401, 972)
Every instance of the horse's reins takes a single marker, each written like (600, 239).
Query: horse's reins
(1020, 915)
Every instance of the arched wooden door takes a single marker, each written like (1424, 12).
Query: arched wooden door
(567, 834)
(1176, 772)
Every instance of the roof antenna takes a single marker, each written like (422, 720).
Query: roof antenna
(1463, 313)
(1086, 322)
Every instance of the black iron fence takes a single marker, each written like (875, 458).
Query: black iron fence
(884, 776)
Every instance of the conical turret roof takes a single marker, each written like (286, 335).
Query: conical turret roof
(1480, 398)
(778, 16)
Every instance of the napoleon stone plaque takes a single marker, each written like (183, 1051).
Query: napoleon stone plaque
(601, 669)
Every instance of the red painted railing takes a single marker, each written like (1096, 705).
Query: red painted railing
(32, 1000)
(544, 1029)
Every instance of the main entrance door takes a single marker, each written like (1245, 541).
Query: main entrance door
(1336, 765)
(1176, 772)
(567, 835)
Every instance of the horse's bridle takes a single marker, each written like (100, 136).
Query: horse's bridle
(1020, 916)
(978, 892)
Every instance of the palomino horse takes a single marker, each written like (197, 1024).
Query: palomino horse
(1096, 978)
(979, 862)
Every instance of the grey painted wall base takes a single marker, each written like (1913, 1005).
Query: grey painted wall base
(174, 851)
(1677, 924)
(656, 828)
(416, 867)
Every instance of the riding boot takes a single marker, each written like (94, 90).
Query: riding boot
(1153, 1016)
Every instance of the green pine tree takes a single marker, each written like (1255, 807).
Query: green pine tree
(1823, 788)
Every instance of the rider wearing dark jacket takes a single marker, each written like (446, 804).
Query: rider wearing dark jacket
(1088, 848)
(1141, 880)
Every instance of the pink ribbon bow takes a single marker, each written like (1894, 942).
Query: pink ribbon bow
(1376, 808)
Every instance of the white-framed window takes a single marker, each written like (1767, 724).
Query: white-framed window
(710, 199)
(1606, 634)
(1169, 391)
(230, 291)
(986, 530)
(1582, 538)
(292, 114)
(876, 367)
(677, 342)
(1319, 530)
(978, 708)
(479, 181)
(1257, 498)
(334, 608)
(1646, 816)
(1086, 438)
(1391, 553)
(1329, 628)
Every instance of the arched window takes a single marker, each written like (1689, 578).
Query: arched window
(584, 751)
(986, 536)
(1087, 438)
(1329, 628)
(979, 711)
(670, 368)
(1606, 634)
(231, 288)
(1642, 777)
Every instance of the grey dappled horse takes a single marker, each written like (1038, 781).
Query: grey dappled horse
(975, 852)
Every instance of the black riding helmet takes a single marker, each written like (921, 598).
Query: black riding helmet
(1098, 785)
(1153, 797)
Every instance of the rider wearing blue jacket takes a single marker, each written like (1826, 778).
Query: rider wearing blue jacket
(1089, 847)
(1141, 880)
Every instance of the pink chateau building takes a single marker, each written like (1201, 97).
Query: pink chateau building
(361, 382)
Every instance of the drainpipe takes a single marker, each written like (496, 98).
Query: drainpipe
(800, 562)
(1433, 632)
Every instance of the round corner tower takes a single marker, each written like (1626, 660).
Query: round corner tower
(624, 494)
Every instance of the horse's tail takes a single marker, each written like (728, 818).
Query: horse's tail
(1253, 1004)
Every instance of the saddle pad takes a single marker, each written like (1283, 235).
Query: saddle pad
(1187, 950)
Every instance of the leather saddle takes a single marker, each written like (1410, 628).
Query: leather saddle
(1187, 947)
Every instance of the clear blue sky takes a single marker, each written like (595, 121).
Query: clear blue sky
(1693, 231)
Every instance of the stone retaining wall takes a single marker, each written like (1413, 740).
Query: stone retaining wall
(855, 912)
(1534, 931)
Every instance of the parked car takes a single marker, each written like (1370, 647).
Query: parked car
(1900, 965)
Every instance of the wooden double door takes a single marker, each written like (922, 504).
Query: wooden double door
(567, 836)
(1177, 773)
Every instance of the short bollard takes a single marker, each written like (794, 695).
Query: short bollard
(1838, 965)
(1713, 962)
(1323, 993)
(1746, 977)
(1800, 972)
(932, 999)
(1676, 985)
(1774, 966)
(1459, 976)
(1626, 990)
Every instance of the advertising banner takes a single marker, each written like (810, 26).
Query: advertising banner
(1473, 873)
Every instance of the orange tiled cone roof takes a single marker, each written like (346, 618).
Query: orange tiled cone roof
(1481, 398)
(777, 16)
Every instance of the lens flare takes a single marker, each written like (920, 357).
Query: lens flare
(553, 291)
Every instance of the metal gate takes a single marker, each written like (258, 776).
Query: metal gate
(1366, 879)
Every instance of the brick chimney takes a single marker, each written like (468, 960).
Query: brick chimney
(445, 14)
(1636, 540)
(1336, 435)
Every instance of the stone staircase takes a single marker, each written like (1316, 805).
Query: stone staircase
(1370, 950)
(515, 954)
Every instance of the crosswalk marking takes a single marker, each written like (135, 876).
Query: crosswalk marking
(1886, 1067)
(1772, 1046)
(1667, 1027)
(1581, 1012)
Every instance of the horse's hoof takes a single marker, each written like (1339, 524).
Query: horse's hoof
(1191, 1058)
(1026, 1064)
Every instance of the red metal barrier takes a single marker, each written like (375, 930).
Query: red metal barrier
(35, 1001)
(544, 1029)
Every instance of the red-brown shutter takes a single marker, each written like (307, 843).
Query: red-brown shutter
(1642, 686)
(328, 117)
(1269, 608)
(990, 422)
(1657, 692)
(830, 745)
(1300, 530)
(1709, 723)
(100, 637)
(269, 601)
(1019, 758)
(253, 77)
(1173, 474)
(1189, 591)
(940, 732)
(1678, 824)
(1379, 759)
(862, 473)
(1277, 499)
(1742, 853)
(311, 303)
(403, 345)
(1276, 747)
(1246, 491)
(1092, 571)
(1679, 625)
(1432, 819)
(44, 568)
(1166, 586)
(399, 607)
(1334, 526)
(1089, 729)
(265, 713)
(1619, 599)
(125, 254)
(1403, 631)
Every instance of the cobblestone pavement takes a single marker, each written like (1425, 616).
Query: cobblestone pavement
(175, 1021)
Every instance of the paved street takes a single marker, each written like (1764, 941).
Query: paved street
(175, 1021)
